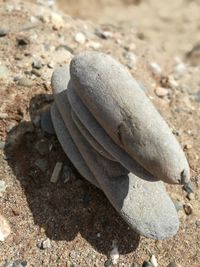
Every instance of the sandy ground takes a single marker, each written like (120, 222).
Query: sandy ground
(75, 216)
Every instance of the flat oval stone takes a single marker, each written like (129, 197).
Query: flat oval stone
(119, 105)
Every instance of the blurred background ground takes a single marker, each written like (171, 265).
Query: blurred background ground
(159, 42)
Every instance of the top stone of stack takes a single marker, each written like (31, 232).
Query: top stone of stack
(123, 110)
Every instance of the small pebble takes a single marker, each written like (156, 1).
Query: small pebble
(57, 21)
(2, 186)
(180, 68)
(73, 254)
(94, 45)
(42, 147)
(37, 64)
(3, 116)
(45, 244)
(197, 223)
(3, 32)
(19, 263)
(25, 82)
(114, 254)
(80, 38)
(4, 228)
(4, 72)
(147, 264)
(188, 209)
(23, 41)
(36, 72)
(153, 261)
(161, 92)
(108, 263)
(50, 65)
(189, 188)
(155, 68)
(2, 145)
(67, 174)
(56, 172)
(131, 59)
(191, 196)
(107, 34)
(42, 164)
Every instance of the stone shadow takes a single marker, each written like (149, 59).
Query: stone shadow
(63, 210)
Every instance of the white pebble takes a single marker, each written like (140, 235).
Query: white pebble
(4, 228)
(114, 254)
(57, 20)
(46, 243)
(180, 68)
(154, 261)
(80, 38)
(94, 45)
(2, 186)
(107, 34)
(155, 68)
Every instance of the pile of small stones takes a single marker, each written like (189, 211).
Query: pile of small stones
(118, 141)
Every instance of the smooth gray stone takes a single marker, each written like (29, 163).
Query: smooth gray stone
(90, 138)
(103, 138)
(69, 147)
(119, 105)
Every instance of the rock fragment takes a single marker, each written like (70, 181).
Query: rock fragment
(4, 228)
(26, 82)
(3, 31)
(45, 244)
(153, 261)
(56, 172)
(80, 38)
(114, 254)
(2, 186)
(188, 209)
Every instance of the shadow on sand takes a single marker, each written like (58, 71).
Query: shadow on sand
(63, 210)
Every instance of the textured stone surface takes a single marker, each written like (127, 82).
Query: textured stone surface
(145, 206)
(102, 137)
(127, 115)
(69, 146)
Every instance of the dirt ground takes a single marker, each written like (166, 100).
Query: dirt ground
(75, 216)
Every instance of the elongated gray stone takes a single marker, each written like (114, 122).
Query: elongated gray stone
(118, 104)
